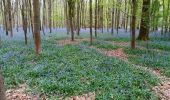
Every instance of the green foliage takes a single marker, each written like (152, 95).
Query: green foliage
(73, 70)
(151, 58)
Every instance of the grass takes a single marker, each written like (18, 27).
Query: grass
(62, 71)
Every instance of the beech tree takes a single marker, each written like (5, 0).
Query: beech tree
(145, 21)
(91, 22)
(134, 3)
(71, 5)
(37, 38)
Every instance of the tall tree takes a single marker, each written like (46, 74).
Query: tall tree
(91, 22)
(10, 17)
(96, 14)
(37, 38)
(145, 21)
(78, 17)
(24, 18)
(50, 15)
(5, 16)
(71, 5)
(112, 26)
(134, 3)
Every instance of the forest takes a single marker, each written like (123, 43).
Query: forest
(84, 49)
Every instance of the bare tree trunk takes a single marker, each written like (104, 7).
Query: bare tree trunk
(10, 17)
(5, 16)
(91, 22)
(44, 17)
(30, 15)
(133, 23)
(112, 30)
(37, 38)
(78, 17)
(71, 4)
(145, 21)
(50, 17)
(96, 14)
(24, 19)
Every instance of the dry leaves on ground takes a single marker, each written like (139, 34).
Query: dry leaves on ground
(19, 94)
(88, 96)
(68, 41)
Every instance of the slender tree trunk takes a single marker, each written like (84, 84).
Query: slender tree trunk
(96, 1)
(50, 17)
(91, 22)
(71, 4)
(5, 16)
(43, 21)
(127, 20)
(133, 23)
(24, 19)
(37, 38)
(10, 17)
(78, 17)
(112, 30)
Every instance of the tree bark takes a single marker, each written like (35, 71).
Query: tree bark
(133, 23)
(96, 1)
(91, 23)
(10, 17)
(71, 4)
(37, 38)
(50, 17)
(145, 21)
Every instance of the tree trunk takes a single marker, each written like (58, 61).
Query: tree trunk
(112, 30)
(24, 20)
(91, 22)
(50, 17)
(96, 1)
(37, 38)
(5, 16)
(71, 4)
(10, 17)
(78, 17)
(133, 23)
(145, 21)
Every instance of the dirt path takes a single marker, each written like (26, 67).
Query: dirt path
(88, 96)
(68, 41)
(19, 93)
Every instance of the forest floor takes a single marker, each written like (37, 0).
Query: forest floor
(108, 69)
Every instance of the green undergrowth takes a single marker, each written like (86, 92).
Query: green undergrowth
(112, 38)
(150, 58)
(63, 71)
(156, 44)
